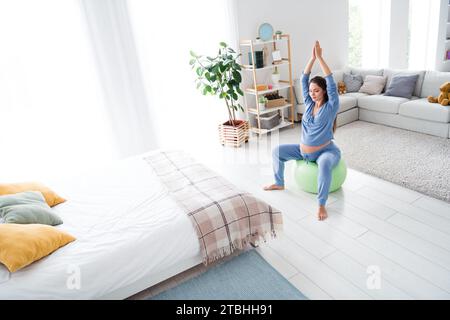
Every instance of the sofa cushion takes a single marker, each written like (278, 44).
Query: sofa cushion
(373, 84)
(381, 103)
(402, 86)
(353, 82)
(346, 103)
(389, 73)
(356, 94)
(432, 81)
(366, 72)
(422, 109)
(338, 75)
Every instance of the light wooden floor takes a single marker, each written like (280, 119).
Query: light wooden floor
(372, 225)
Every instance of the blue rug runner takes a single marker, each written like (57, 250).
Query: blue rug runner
(245, 277)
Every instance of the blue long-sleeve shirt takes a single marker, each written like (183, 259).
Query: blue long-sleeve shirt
(318, 129)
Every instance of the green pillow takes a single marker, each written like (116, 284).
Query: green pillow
(27, 207)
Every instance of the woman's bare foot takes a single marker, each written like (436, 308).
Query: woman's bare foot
(322, 213)
(273, 187)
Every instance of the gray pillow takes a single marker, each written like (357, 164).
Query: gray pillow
(402, 86)
(353, 82)
(27, 207)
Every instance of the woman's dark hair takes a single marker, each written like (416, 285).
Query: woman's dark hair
(322, 83)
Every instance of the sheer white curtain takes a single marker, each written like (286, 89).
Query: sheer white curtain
(118, 66)
(51, 112)
(375, 32)
(424, 24)
(164, 35)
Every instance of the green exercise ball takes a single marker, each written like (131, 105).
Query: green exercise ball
(305, 175)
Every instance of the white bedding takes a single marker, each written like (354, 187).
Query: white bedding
(126, 226)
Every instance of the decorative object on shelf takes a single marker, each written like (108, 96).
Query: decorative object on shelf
(262, 87)
(276, 57)
(341, 87)
(259, 58)
(265, 31)
(275, 76)
(448, 55)
(274, 100)
(220, 75)
(268, 121)
(262, 100)
(278, 34)
(444, 97)
(258, 40)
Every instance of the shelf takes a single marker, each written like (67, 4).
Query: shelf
(285, 62)
(282, 85)
(282, 124)
(248, 43)
(268, 110)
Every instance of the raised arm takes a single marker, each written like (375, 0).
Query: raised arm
(332, 92)
(305, 79)
(311, 61)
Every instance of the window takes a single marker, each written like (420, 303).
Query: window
(369, 24)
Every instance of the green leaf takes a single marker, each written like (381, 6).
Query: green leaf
(199, 84)
(222, 68)
(231, 50)
(192, 61)
(237, 76)
(207, 76)
(239, 91)
(223, 44)
(235, 96)
(193, 54)
(199, 71)
(208, 88)
(205, 91)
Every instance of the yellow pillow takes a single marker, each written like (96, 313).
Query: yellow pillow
(51, 197)
(22, 244)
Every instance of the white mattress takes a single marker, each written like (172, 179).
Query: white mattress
(126, 226)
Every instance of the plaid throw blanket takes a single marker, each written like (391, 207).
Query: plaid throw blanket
(224, 217)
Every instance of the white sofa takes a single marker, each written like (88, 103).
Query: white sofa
(415, 114)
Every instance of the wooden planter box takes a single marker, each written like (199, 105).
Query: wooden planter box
(234, 136)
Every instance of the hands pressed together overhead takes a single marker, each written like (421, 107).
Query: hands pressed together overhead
(317, 50)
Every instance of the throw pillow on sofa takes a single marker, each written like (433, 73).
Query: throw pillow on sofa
(373, 84)
(353, 82)
(402, 86)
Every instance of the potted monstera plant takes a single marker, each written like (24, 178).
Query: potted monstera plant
(220, 76)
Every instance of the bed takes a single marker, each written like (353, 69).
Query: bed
(132, 233)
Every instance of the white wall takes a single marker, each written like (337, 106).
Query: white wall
(306, 21)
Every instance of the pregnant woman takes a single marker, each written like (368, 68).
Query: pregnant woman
(318, 126)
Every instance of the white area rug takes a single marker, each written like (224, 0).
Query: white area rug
(413, 160)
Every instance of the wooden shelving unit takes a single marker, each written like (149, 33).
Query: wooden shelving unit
(285, 85)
